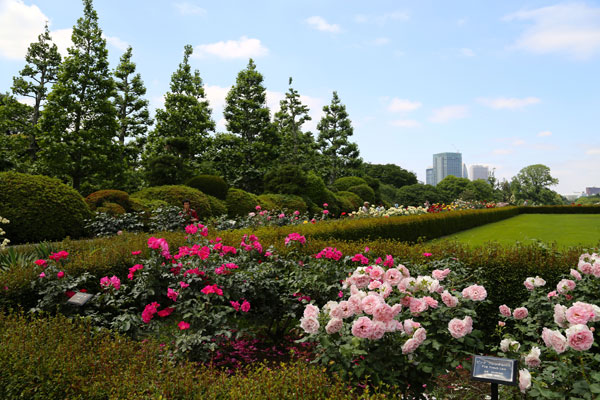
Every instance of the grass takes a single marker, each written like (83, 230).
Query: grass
(564, 229)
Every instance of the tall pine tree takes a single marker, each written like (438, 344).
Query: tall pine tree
(298, 147)
(79, 120)
(248, 117)
(34, 80)
(335, 128)
(182, 127)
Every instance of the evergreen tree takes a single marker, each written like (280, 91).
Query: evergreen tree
(79, 120)
(15, 125)
(297, 147)
(334, 130)
(248, 117)
(40, 72)
(183, 126)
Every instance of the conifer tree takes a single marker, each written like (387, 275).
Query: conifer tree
(79, 121)
(334, 130)
(35, 79)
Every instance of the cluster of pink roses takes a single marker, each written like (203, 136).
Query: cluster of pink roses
(113, 281)
(132, 270)
(245, 306)
(159, 243)
(295, 237)
(330, 253)
(589, 264)
(253, 243)
(58, 255)
(193, 229)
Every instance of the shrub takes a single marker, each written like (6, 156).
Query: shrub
(315, 188)
(332, 201)
(99, 198)
(147, 204)
(40, 208)
(166, 169)
(278, 202)
(111, 208)
(575, 209)
(217, 206)
(174, 195)
(347, 182)
(239, 202)
(209, 184)
(287, 179)
(351, 201)
(364, 192)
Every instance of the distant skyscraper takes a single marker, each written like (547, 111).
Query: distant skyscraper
(429, 176)
(479, 172)
(465, 173)
(445, 164)
(590, 191)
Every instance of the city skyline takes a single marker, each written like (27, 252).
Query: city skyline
(507, 84)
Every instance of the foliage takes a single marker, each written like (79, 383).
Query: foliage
(346, 182)
(15, 129)
(97, 199)
(79, 120)
(390, 174)
(364, 192)
(240, 202)
(335, 129)
(451, 187)
(349, 201)
(478, 190)
(53, 212)
(217, 206)
(212, 185)
(588, 200)
(285, 179)
(165, 169)
(282, 202)
(174, 195)
(418, 194)
(531, 184)
(315, 188)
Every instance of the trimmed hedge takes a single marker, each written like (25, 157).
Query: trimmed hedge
(111, 208)
(349, 201)
(174, 196)
(58, 358)
(365, 192)
(278, 202)
(211, 185)
(40, 208)
(99, 198)
(576, 209)
(217, 206)
(240, 202)
(345, 183)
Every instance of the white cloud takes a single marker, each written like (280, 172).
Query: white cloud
(20, 25)
(500, 103)
(62, 38)
(502, 152)
(467, 52)
(405, 123)
(403, 105)
(26, 100)
(572, 28)
(186, 8)
(381, 19)
(380, 41)
(593, 151)
(116, 42)
(447, 113)
(518, 142)
(544, 133)
(216, 96)
(320, 24)
(243, 48)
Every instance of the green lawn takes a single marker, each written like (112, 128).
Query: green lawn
(564, 229)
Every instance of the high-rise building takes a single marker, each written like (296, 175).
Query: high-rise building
(479, 172)
(590, 191)
(445, 164)
(465, 173)
(429, 176)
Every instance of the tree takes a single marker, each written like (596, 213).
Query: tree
(297, 147)
(418, 194)
(452, 187)
(532, 182)
(334, 130)
(79, 120)
(248, 117)
(34, 80)
(390, 174)
(478, 190)
(15, 125)
(183, 126)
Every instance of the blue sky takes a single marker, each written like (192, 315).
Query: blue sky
(507, 83)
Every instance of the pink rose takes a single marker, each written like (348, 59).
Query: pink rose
(60, 274)
(579, 313)
(183, 325)
(554, 339)
(417, 305)
(575, 274)
(409, 326)
(362, 327)
(420, 335)
(383, 312)
(505, 310)
(565, 285)
(528, 284)
(459, 328)
(410, 346)
(172, 294)
(533, 358)
(560, 315)
(310, 324)
(311, 311)
(370, 303)
(524, 380)
(392, 276)
(376, 272)
(431, 302)
(377, 330)
(449, 300)
(552, 294)
(580, 337)
(41, 263)
(520, 313)
(501, 323)
(245, 306)
(586, 268)
(183, 284)
(42, 275)
(333, 326)
(440, 275)
(343, 310)
(475, 293)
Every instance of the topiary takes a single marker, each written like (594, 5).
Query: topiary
(315, 188)
(345, 183)
(240, 202)
(282, 202)
(217, 206)
(349, 201)
(175, 194)
(364, 192)
(212, 185)
(40, 208)
(332, 202)
(140, 205)
(97, 199)
(111, 208)
(287, 179)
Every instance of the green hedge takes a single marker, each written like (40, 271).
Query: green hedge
(240, 202)
(174, 196)
(347, 182)
(576, 209)
(365, 192)
(217, 206)
(212, 185)
(99, 198)
(57, 358)
(40, 208)
(278, 202)
(349, 201)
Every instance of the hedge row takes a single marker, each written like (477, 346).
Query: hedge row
(59, 358)
(560, 210)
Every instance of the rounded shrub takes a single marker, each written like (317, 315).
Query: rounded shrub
(332, 203)
(40, 208)
(212, 185)
(99, 198)
(349, 201)
(365, 192)
(217, 206)
(174, 195)
(282, 202)
(345, 183)
(111, 208)
(315, 188)
(240, 202)
(287, 179)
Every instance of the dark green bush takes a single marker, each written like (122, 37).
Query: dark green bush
(111, 208)
(40, 208)
(240, 202)
(217, 206)
(211, 185)
(315, 189)
(166, 169)
(97, 199)
(282, 202)
(351, 201)
(347, 182)
(575, 209)
(364, 192)
(287, 179)
(175, 194)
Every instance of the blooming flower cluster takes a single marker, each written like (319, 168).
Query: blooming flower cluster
(295, 237)
(113, 281)
(3, 242)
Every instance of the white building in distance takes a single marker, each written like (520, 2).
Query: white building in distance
(479, 172)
